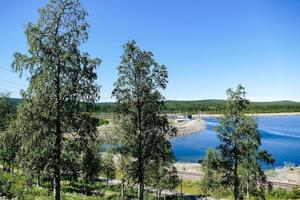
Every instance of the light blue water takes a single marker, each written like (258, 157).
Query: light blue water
(280, 137)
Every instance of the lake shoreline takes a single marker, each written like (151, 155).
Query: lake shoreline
(257, 114)
(279, 136)
(197, 124)
(282, 176)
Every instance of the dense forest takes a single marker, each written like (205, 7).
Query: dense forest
(211, 106)
(214, 106)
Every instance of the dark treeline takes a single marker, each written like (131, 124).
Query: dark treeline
(214, 106)
(207, 106)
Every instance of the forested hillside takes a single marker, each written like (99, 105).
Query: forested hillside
(208, 106)
(215, 106)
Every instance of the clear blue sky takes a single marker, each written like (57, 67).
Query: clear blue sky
(207, 45)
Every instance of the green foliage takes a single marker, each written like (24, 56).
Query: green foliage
(108, 167)
(206, 106)
(4, 186)
(239, 151)
(189, 186)
(62, 78)
(139, 106)
(9, 140)
(211, 181)
(90, 164)
(103, 122)
(11, 185)
(162, 177)
(279, 193)
(5, 111)
(213, 107)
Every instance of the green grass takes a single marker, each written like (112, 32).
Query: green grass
(280, 193)
(14, 186)
(103, 122)
(190, 187)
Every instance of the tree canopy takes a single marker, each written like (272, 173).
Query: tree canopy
(61, 77)
(139, 106)
(240, 153)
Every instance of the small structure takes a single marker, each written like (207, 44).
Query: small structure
(189, 117)
(180, 118)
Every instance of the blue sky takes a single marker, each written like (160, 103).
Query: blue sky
(207, 45)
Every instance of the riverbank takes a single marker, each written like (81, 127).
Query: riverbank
(188, 126)
(109, 132)
(257, 114)
(285, 177)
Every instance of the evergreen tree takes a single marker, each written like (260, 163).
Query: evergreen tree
(160, 172)
(5, 110)
(9, 141)
(139, 105)
(90, 164)
(61, 78)
(9, 148)
(211, 180)
(71, 165)
(162, 177)
(109, 168)
(240, 142)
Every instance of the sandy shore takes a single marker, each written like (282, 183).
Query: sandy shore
(189, 126)
(184, 127)
(197, 123)
(110, 131)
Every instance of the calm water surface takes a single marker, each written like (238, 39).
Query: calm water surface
(280, 137)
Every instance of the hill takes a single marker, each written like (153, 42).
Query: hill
(207, 106)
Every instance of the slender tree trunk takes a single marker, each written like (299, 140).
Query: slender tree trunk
(140, 157)
(248, 186)
(159, 194)
(107, 179)
(57, 138)
(141, 191)
(122, 189)
(38, 181)
(248, 195)
(236, 179)
(57, 163)
(181, 195)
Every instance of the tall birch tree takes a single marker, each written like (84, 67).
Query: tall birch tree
(61, 78)
(139, 105)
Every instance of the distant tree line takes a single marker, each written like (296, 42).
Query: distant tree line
(213, 107)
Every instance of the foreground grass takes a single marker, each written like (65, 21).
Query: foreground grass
(43, 194)
(15, 187)
(189, 187)
(194, 187)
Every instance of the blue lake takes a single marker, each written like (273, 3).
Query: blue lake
(280, 136)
